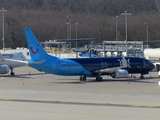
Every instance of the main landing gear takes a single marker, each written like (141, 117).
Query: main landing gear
(12, 73)
(82, 78)
(98, 78)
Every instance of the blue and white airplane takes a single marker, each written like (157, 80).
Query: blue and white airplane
(117, 67)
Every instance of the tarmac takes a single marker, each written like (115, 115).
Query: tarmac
(34, 95)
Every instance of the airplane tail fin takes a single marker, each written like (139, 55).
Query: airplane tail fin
(36, 50)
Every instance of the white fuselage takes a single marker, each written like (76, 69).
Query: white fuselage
(13, 56)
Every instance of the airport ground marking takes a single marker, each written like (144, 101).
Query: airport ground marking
(153, 106)
(7, 99)
(79, 103)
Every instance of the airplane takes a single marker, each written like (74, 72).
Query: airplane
(116, 67)
(10, 60)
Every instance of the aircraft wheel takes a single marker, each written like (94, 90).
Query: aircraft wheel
(84, 78)
(81, 78)
(142, 77)
(99, 79)
(12, 73)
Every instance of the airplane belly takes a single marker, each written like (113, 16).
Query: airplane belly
(134, 70)
(72, 71)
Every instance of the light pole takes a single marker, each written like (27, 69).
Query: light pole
(117, 31)
(69, 28)
(126, 14)
(76, 34)
(146, 33)
(3, 26)
(76, 40)
(67, 23)
(76, 30)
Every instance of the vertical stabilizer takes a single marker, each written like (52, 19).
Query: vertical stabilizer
(35, 48)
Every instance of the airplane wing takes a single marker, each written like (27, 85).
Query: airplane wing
(108, 70)
(123, 64)
(18, 61)
(26, 62)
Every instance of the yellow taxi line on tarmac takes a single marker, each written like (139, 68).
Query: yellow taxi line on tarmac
(149, 106)
(7, 98)
(146, 106)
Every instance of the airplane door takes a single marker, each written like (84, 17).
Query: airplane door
(53, 66)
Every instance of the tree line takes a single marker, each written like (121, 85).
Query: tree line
(92, 19)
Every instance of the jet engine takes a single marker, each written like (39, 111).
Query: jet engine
(120, 73)
(4, 69)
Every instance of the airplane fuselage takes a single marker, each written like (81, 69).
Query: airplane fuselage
(13, 56)
(117, 67)
(88, 66)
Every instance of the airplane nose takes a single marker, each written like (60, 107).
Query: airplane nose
(153, 66)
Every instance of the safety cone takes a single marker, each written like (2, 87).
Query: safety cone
(2, 78)
(128, 82)
(159, 78)
(159, 74)
(22, 81)
(151, 80)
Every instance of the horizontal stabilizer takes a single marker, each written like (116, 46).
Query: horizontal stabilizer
(39, 62)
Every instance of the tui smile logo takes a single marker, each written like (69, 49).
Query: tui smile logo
(34, 52)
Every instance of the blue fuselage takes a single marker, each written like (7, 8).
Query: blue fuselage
(88, 66)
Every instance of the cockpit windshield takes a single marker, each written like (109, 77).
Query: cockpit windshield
(148, 63)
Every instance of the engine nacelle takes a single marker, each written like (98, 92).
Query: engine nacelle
(4, 69)
(120, 73)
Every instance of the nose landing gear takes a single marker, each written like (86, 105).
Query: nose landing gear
(82, 78)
